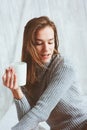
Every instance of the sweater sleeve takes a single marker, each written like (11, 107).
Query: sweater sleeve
(60, 81)
(22, 107)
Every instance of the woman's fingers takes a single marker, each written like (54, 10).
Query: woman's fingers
(15, 82)
(10, 79)
(11, 83)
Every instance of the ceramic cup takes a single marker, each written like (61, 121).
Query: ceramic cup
(21, 72)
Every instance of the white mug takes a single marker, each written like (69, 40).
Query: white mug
(21, 72)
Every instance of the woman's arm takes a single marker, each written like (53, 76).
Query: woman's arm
(22, 107)
(10, 81)
(60, 82)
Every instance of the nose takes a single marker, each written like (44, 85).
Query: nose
(45, 46)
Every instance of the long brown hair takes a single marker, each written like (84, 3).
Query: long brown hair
(29, 53)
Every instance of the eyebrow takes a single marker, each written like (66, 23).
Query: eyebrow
(43, 40)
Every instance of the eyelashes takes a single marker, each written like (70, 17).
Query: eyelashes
(38, 44)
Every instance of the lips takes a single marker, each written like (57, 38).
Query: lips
(45, 56)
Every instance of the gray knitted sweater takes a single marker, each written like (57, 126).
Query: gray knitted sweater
(55, 98)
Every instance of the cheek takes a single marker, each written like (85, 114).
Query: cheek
(38, 49)
(52, 47)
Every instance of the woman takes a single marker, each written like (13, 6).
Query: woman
(51, 93)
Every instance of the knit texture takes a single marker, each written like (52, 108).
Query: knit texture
(54, 98)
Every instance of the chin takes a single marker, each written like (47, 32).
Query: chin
(46, 61)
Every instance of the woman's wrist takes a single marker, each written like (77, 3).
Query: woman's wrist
(17, 93)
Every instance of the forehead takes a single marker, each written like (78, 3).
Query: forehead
(45, 33)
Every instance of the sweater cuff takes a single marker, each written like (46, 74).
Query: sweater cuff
(23, 101)
(22, 106)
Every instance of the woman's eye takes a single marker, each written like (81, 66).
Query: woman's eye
(38, 43)
(50, 42)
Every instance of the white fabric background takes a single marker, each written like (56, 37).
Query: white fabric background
(70, 17)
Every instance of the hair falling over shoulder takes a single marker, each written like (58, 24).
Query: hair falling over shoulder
(29, 53)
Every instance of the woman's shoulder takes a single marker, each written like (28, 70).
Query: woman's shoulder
(61, 65)
(61, 61)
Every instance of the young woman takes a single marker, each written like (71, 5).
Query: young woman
(51, 93)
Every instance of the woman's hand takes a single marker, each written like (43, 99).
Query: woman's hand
(10, 81)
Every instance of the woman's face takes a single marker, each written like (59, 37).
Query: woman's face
(45, 43)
